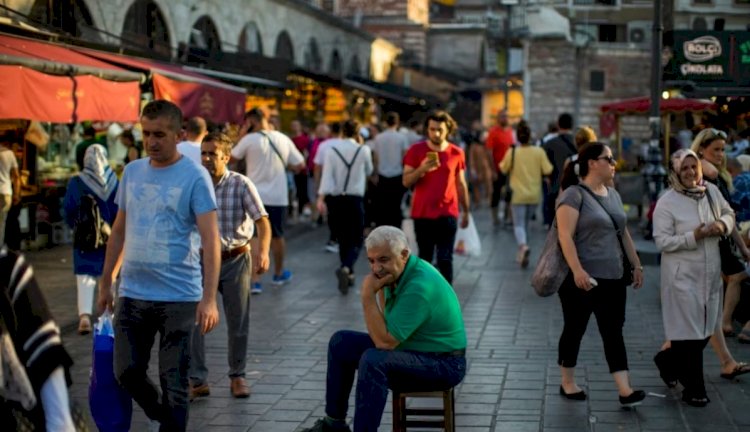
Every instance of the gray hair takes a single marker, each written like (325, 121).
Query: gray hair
(388, 235)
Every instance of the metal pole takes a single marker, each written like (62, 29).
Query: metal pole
(507, 56)
(654, 115)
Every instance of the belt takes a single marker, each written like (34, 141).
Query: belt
(454, 353)
(231, 253)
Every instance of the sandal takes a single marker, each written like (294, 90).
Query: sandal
(698, 402)
(741, 369)
(744, 336)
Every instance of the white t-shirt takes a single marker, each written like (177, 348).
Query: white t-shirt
(333, 179)
(390, 146)
(7, 163)
(265, 167)
(190, 149)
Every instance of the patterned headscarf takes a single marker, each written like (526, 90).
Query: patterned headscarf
(699, 190)
(97, 174)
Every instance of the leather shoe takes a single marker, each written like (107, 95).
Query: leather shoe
(578, 396)
(197, 391)
(239, 387)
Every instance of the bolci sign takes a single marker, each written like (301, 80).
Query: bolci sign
(709, 58)
(702, 49)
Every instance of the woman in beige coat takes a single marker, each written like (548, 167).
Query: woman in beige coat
(689, 220)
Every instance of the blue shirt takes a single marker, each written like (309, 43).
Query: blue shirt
(741, 197)
(161, 259)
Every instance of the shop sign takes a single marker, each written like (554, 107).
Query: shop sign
(715, 57)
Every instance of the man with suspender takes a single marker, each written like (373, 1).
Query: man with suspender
(345, 170)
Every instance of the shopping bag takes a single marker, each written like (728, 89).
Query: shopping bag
(111, 406)
(467, 240)
(551, 268)
(407, 226)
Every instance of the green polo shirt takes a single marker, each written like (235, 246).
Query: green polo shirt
(422, 311)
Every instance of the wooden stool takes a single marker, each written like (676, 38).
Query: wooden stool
(447, 421)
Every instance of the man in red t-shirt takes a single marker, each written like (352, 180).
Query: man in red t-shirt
(435, 169)
(499, 140)
(301, 140)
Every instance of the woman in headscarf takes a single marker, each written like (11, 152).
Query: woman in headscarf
(689, 219)
(96, 180)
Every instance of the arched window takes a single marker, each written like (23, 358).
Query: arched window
(146, 29)
(71, 16)
(284, 48)
(313, 61)
(335, 68)
(204, 43)
(250, 40)
(354, 66)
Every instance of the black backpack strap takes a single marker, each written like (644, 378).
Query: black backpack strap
(348, 165)
(273, 146)
(568, 143)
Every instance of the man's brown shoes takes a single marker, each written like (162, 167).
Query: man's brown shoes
(239, 387)
(199, 391)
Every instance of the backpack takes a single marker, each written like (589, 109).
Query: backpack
(90, 230)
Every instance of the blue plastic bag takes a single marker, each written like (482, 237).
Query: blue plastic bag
(111, 406)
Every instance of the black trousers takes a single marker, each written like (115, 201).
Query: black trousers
(497, 189)
(388, 195)
(437, 235)
(686, 356)
(607, 302)
(346, 215)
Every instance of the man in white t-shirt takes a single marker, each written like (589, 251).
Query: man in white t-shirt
(195, 130)
(389, 148)
(10, 184)
(268, 154)
(318, 160)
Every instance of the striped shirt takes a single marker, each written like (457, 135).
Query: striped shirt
(28, 320)
(238, 206)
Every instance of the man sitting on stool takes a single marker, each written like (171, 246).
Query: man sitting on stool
(416, 341)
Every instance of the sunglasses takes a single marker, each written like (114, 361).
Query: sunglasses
(715, 134)
(610, 159)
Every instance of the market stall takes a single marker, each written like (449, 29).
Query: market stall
(612, 113)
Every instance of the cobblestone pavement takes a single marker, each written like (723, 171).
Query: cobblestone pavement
(512, 382)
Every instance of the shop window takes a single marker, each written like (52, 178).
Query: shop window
(250, 39)
(72, 17)
(145, 29)
(284, 48)
(596, 81)
(205, 43)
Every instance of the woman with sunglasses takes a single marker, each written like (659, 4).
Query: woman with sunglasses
(689, 219)
(591, 224)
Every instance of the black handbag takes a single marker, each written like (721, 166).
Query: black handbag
(728, 250)
(627, 267)
(506, 192)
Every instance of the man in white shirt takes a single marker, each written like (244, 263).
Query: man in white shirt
(342, 189)
(389, 148)
(268, 154)
(318, 160)
(195, 131)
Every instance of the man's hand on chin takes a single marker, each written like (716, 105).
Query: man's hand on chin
(374, 283)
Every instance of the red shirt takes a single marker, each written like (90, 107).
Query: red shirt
(499, 141)
(302, 142)
(436, 194)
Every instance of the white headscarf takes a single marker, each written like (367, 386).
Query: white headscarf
(97, 174)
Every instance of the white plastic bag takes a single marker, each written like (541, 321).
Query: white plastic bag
(467, 240)
(407, 226)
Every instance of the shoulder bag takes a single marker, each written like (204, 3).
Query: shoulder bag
(551, 268)
(627, 267)
(507, 191)
(728, 250)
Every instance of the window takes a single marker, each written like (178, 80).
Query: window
(702, 1)
(611, 33)
(596, 81)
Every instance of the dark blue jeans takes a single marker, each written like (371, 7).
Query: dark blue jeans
(437, 235)
(136, 324)
(377, 371)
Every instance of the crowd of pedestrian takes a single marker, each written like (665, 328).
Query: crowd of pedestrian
(184, 225)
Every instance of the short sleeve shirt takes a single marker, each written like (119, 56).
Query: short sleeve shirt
(595, 237)
(265, 167)
(436, 194)
(499, 141)
(161, 254)
(422, 311)
(8, 163)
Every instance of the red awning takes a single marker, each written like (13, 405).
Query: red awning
(31, 95)
(48, 82)
(642, 105)
(194, 93)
